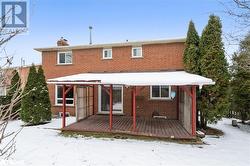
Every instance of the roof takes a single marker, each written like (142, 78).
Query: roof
(109, 45)
(179, 78)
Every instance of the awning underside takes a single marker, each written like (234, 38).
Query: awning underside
(179, 78)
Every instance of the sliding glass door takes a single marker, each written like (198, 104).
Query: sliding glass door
(117, 99)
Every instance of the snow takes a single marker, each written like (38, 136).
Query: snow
(42, 145)
(135, 79)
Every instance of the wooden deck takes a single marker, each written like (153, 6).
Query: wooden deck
(160, 128)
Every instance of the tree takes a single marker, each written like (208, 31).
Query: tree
(7, 140)
(28, 104)
(35, 107)
(44, 105)
(15, 87)
(214, 99)
(191, 52)
(240, 83)
(239, 12)
(191, 59)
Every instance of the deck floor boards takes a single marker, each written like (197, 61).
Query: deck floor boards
(161, 128)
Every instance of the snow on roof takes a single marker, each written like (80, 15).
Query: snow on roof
(134, 79)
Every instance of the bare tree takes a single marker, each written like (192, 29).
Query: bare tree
(7, 139)
(239, 12)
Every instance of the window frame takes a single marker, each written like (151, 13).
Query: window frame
(160, 98)
(61, 104)
(132, 50)
(65, 52)
(103, 53)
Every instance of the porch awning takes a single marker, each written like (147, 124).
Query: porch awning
(179, 78)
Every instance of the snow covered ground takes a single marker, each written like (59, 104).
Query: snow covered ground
(42, 146)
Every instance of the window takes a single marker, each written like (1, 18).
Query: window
(69, 96)
(107, 54)
(136, 52)
(64, 57)
(2, 91)
(160, 92)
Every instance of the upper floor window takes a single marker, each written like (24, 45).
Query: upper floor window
(3, 90)
(64, 57)
(107, 54)
(160, 92)
(136, 52)
(69, 96)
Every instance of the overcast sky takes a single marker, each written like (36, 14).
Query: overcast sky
(112, 21)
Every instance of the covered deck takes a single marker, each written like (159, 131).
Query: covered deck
(159, 128)
(132, 124)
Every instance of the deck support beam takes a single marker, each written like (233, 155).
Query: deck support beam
(178, 101)
(193, 110)
(65, 91)
(93, 95)
(64, 107)
(134, 108)
(110, 107)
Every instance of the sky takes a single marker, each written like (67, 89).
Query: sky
(112, 21)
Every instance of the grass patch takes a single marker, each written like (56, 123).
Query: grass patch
(122, 136)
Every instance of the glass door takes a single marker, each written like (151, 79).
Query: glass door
(117, 99)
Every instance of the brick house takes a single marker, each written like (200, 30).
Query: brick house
(142, 103)
(23, 72)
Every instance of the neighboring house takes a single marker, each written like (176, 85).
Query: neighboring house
(144, 81)
(23, 72)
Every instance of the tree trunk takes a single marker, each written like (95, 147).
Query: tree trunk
(203, 121)
(197, 119)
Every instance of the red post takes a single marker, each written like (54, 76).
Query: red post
(93, 99)
(193, 110)
(134, 108)
(132, 93)
(110, 107)
(64, 107)
(177, 101)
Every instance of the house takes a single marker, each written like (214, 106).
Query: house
(7, 74)
(136, 88)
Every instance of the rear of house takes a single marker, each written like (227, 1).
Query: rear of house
(153, 102)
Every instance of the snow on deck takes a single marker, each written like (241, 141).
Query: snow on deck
(41, 146)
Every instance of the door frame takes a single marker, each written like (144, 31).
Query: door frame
(100, 104)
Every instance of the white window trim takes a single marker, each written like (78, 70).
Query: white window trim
(56, 99)
(132, 52)
(5, 91)
(107, 49)
(65, 52)
(160, 98)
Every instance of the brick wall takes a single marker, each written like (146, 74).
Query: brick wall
(156, 57)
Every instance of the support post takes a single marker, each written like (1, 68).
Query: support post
(193, 110)
(178, 102)
(134, 108)
(132, 93)
(110, 107)
(93, 95)
(64, 107)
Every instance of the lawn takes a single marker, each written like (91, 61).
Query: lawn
(44, 146)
